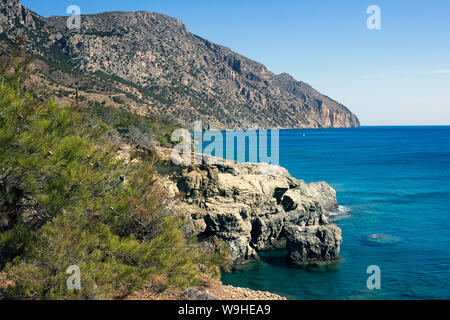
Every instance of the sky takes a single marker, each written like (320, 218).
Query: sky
(397, 75)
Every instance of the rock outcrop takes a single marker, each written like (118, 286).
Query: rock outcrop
(16, 19)
(254, 207)
(157, 67)
(313, 244)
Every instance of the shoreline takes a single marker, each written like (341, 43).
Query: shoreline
(208, 289)
(253, 207)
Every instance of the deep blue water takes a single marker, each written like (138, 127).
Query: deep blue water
(395, 181)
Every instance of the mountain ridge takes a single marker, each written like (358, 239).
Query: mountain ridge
(159, 68)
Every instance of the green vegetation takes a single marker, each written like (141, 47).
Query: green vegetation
(149, 93)
(66, 199)
(137, 129)
(64, 93)
(118, 100)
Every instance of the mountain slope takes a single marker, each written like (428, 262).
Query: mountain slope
(160, 68)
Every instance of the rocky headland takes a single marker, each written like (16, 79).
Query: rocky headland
(255, 207)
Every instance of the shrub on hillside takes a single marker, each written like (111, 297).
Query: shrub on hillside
(65, 199)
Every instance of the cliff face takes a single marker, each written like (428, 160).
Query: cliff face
(174, 74)
(16, 19)
(253, 207)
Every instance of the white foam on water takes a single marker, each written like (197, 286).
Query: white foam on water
(341, 212)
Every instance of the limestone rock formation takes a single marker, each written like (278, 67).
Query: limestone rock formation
(253, 207)
(312, 244)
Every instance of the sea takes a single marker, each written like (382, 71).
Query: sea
(393, 188)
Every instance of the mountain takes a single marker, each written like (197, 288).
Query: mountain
(151, 63)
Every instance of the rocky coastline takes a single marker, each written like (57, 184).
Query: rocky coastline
(254, 207)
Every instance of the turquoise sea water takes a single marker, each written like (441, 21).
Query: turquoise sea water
(394, 186)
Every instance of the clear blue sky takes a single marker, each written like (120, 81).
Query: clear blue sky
(399, 75)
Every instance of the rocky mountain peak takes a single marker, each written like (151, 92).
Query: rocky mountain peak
(14, 16)
(164, 70)
(285, 76)
(10, 3)
(10, 8)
